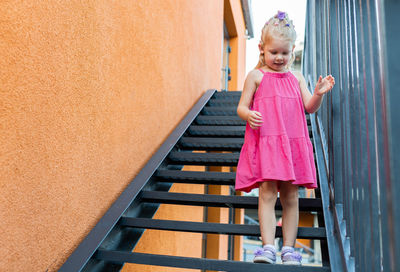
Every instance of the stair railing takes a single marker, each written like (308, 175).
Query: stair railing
(356, 161)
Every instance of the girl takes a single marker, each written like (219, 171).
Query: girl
(277, 154)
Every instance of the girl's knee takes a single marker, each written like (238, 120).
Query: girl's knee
(289, 194)
(268, 187)
(289, 200)
(268, 191)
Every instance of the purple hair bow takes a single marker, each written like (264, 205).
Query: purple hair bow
(281, 15)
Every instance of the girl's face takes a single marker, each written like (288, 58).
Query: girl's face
(277, 53)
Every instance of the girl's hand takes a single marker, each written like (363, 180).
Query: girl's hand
(254, 119)
(324, 85)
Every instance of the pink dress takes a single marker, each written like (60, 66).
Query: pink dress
(279, 150)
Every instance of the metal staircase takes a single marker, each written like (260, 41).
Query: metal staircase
(211, 125)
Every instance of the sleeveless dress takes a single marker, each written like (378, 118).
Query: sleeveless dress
(279, 150)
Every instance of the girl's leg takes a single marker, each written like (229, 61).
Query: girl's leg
(266, 211)
(289, 197)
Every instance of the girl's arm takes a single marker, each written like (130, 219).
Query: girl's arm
(313, 102)
(254, 118)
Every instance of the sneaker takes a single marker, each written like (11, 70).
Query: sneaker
(290, 257)
(266, 254)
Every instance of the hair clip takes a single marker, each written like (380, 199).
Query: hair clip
(281, 15)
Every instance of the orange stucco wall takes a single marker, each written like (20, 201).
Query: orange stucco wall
(89, 90)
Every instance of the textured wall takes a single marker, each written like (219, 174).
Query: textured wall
(89, 90)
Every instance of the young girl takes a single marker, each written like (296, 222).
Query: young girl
(277, 154)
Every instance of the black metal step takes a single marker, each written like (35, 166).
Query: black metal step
(196, 177)
(220, 111)
(205, 159)
(214, 228)
(244, 202)
(227, 94)
(221, 131)
(199, 263)
(224, 102)
(211, 144)
(219, 120)
(229, 111)
(208, 159)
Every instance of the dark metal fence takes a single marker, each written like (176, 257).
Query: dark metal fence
(358, 127)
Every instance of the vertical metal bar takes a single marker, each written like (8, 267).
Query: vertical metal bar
(312, 23)
(364, 205)
(321, 38)
(335, 71)
(336, 120)
(389, 67)
(231, 238)
(351, 129)
(374, 100)
(346, 183)
(350, 183)
(369, 188)
(356, 241)
(384, 186)
(359, 241)
(205, 219)
(322, 68)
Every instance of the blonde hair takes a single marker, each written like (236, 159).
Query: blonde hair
(278, 26)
